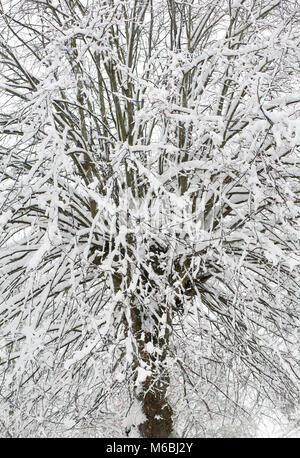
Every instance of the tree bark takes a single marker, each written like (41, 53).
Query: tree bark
(156, 409)
(152, 392)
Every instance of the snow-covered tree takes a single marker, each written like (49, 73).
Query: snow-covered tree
(149, 195)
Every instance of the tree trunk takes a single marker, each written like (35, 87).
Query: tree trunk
(156, 409)
(152, 391)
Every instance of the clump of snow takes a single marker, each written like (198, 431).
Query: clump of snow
(149, 347)
(134, 418)
(142, 375)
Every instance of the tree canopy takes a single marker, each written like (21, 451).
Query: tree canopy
(149, 196)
